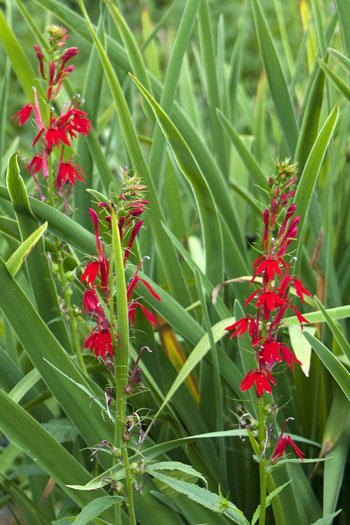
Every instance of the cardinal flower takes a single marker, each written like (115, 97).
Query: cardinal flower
(262, 380)
(99, 341)
(281, 445)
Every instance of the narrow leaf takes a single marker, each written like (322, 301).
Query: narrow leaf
(16, 260)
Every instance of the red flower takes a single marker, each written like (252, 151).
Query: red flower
(91, 301)
(133, 303)
(91, 272)
(68, 170)
(132, 309)
(240, 327)
(100, 263)
(75, 121)
(270, 351)
(281, 445)
(100, 341)
(288, 356)
(299, 288)
(53, 135)
(24, 114)
(268, 265)
(35, 165)
(262, 381)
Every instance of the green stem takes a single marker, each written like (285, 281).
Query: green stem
(121, 359)
(72, 321)
(129, 489)
(262, 462)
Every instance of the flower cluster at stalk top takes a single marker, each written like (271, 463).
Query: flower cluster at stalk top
(130, 206)
(272, 298)
(55, 130)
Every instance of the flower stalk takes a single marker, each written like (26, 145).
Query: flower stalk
(121, 371)
(271, 301)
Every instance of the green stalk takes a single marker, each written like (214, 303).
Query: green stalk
(121, 370)
(67, 292)
(262, 462)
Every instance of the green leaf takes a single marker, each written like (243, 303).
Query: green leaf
(43, 286)
(301, 347)
(40, 344)
(332, 363)
(247, 158)
(202, 496)
(206, 207)
(16, 260)
(277, 83)
(20, 64)
(343, 11)
(269, 498)
(310, 172)
(176, 465)
(339, 312)
(327, 520)
(42, 448)
(343, 60)
(24, 385)
(193, 359)
(170, 262)
(95, 508)
(335, 329)
(337, 81)
(334, 470)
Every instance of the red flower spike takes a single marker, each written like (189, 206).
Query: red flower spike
(266, 231)
(281, 445)
(24, 114)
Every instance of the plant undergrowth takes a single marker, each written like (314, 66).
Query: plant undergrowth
(171, 173)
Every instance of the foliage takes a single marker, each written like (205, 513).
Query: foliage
(195, 101)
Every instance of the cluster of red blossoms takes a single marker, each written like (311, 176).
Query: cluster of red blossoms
(55, 130)
(272, 299)
(101, 337)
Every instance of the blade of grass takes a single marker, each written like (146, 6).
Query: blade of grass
(310, 172)
(332, 363)
(37, 265)
(170, 263)
(210, 69)
(206, 208)
(43, 449)
(277, 83)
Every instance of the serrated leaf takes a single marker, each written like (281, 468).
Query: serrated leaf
(203, 496)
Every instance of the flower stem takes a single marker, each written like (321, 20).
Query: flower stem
(262, 462)
(70, 312)
(121, 358)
